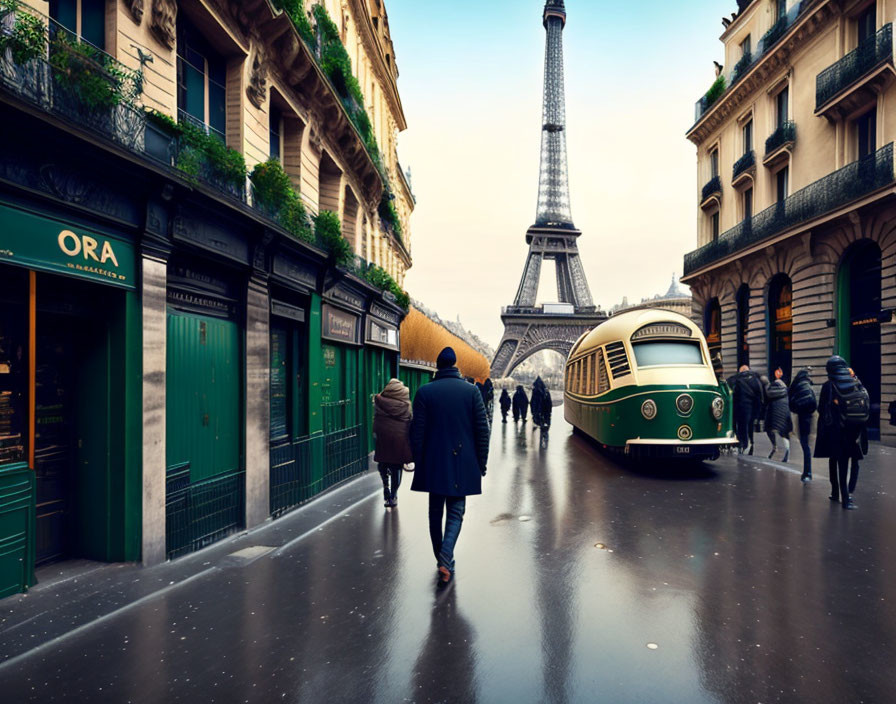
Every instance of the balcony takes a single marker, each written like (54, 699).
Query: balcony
(825, 196)
(712, 192)
(780, 143)
(856, 79)
(747, 62)
(743, 169)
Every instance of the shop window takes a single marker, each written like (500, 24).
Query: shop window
(84, 18)
(201, 80)
(780, 325)
(13, 365)
(866, 133)
(743, 325)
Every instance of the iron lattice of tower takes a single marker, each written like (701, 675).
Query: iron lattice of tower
(529, 328)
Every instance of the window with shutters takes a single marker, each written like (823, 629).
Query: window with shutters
(603, 380)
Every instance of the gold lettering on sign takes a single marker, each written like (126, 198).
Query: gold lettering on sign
(73, 245)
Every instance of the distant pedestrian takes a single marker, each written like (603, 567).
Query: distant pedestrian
(858, 451)
(505, 403)
(747, 401)
(804, 403)
(449, 439)
(520, 404)
(535, 401)
(547, 408)
(843, 412)
(778, 421)
(489, 398)
(391, 430)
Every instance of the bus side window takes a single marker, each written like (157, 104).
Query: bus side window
(603, 381)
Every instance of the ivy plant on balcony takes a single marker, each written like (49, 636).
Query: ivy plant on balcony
(90, 74)
(27, 38)
(275, 194)
(715, 91)
(389, 214)
(328, 231)
(379, 277)
(295, 10)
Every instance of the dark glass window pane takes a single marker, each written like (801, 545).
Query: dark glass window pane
(746, 46)
(866, 127)
(217, 101)
(748, 137)
(780, 8)
(782, 184)
(93, 22)
(217, 68)
(748, 203)
(276, 118)
(867, 21)
(715, 226)
(13, 365)
(714, 163)
(194, 92)
(65, 12)
(280, 386)
(782, 106)
(664, 354)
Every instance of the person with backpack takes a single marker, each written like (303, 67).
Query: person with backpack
(520, 404)
(843, 412)
(804, 403)
(777, 414)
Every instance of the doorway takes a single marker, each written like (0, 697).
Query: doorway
(780, 326)
(858, 316)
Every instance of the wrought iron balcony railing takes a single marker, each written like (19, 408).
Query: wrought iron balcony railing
(740, 69)
(785, 133)
(834, 191)
(43, 64)
(870, 54)
(747, 161)
(713, 186)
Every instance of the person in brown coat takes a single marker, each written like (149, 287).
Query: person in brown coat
(391, 425)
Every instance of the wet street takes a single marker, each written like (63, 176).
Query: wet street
(578, 581)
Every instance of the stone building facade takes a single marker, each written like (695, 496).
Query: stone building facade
(796, 234)
(189, 345)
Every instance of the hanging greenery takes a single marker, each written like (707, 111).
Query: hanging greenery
(715, 91)
(328, 231)
(295, 10)
(274, 192)
(389, 214)
(379, 277)
(27, 38)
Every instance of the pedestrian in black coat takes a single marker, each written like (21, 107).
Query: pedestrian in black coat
(520, 404)
(505, 404)
(536, 401)
(747, 402)
(449, 440)
(835, 441)
(777, 414)
(547, 408)
(804, 403)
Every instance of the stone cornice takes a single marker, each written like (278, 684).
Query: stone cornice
(374, 50)
(731, 103)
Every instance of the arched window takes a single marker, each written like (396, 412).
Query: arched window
(743, 325)
(858, 322)
(780, 326)
(712, 326)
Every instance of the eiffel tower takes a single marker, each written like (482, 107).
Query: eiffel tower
(529, 328)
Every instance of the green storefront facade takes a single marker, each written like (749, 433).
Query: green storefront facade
(70, 376)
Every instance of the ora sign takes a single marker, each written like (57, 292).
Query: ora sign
(74, 245)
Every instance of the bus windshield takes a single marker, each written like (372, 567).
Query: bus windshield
(663, 354)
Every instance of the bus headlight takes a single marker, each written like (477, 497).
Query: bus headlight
(718, 408)
(648, 409)
(684, 404)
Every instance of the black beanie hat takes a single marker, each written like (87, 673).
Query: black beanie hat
(446, 359)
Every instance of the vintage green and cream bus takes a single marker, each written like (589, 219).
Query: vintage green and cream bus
(642, 384)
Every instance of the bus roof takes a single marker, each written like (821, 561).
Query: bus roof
(624, 325)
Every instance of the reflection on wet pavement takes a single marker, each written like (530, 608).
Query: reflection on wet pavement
(578, 580)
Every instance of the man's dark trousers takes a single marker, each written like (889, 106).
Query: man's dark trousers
(805, 425)
(443, 543)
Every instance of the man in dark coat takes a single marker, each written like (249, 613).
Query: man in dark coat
(804, 403)
(505, 405)
(836, 441)
(747, 401)
(449, 439)
(547, 407)
(520, 404)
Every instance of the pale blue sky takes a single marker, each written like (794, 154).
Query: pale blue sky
(471, 83)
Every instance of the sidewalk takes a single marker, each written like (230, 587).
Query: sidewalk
(73, 595)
